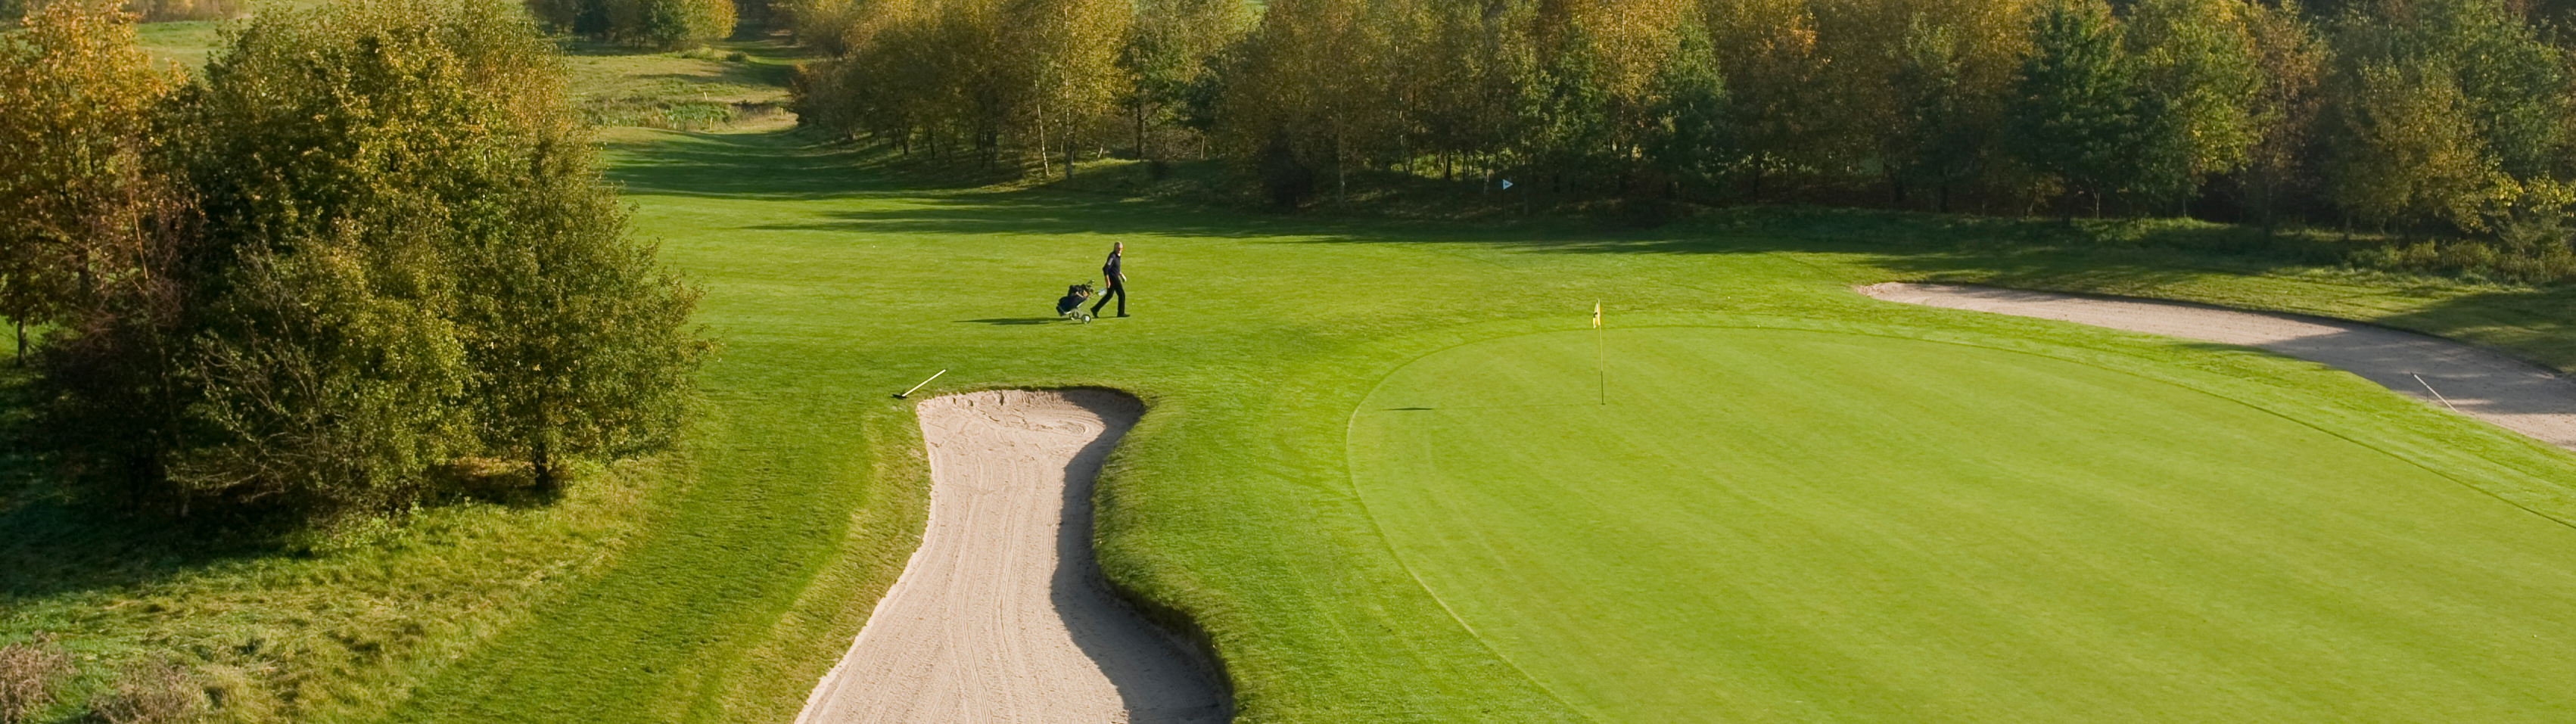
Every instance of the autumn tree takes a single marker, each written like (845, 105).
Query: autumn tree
(1477, 72)
(1066, 62)
(2285, 108)
(75, 96)
(1170, 50)
(1310, 83)
(1791, 116)
(398, 252)
(2405, 147)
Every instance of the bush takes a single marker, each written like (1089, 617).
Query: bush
(152, 693)
(28, 673)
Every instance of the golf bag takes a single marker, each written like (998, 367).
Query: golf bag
(1070, 306)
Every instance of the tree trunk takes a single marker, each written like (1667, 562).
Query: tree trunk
(542, 461)
(1140, 130)
(1341, 170)
(1043, 169)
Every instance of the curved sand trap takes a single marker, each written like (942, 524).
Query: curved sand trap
(1002, 615)
(2513, 394)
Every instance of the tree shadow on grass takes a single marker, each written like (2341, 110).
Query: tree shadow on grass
(60, 535)
(2103, 256)
(57, 537)
(1923, 245)
(779, 165)
(975, 212)
(731, 75)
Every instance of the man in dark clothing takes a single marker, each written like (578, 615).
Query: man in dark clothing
(1117, 279)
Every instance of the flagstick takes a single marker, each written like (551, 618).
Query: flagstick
(1601, 353)
(917, 388)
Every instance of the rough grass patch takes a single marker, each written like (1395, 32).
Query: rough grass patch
(29, 672)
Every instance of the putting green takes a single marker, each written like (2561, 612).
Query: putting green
(1776, 525)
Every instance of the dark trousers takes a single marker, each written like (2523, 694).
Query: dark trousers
(1116, 289)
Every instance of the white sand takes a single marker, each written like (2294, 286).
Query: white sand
(2513, 394)
(1002, 616)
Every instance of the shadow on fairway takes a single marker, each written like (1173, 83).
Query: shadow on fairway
(2539, 326)
(2088, 254)
(55, 539)
(781, 165)
(1009, 320)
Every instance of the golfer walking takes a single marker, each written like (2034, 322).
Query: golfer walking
(1117, 279)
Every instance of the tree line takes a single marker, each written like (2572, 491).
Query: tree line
(371, 240)
(2417, 115)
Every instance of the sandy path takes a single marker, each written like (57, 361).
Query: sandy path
(2513, 394)
(1001, 616)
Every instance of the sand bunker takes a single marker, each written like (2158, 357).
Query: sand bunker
(2513, 394)
(1002, 616)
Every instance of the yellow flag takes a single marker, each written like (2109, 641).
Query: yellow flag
(1596, 315)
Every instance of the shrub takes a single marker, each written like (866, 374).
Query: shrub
(29, 671)
(152, 693)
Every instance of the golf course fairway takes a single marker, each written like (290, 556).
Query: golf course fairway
(1776, 525)
(2094, 525)
(1389, 472)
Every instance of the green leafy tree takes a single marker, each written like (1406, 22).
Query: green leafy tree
(2466, 89)
(2198, 67)
(668, 23)
(2075, 113)
(1168, 54)
(1572, 136)
(1944, 125)
(579, 340)
(2406, 148)
(1692, 143)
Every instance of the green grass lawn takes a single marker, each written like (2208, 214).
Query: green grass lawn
(185, 45)
(2187, 531)
(1767, 524)
(1257, 337)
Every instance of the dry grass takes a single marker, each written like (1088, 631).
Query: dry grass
(154, 692)
(29, 672)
